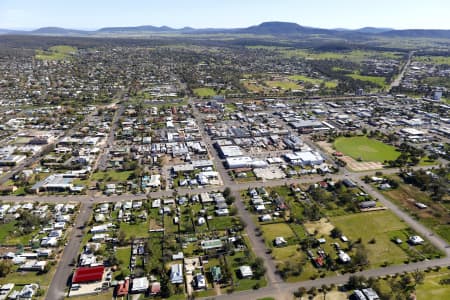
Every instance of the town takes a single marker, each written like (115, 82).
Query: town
(171, 168)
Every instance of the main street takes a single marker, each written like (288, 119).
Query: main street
(70, 254)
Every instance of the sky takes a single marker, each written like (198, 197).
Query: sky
(352, 14)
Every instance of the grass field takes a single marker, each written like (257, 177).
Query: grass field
(55, 53)
(376, 225)
(432, 288)
(139, 230)
(8, 236)
(366, 149)
(204, 92)
(328, 83)
(437, 81)
(285, 85)
(354, 56)
(111, 176)
(380, 81)
(271, 231)
(287, 253)
(436, 216)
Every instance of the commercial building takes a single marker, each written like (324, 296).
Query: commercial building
(88, 274)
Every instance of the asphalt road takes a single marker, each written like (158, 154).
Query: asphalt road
(64, 271)
(399, 78)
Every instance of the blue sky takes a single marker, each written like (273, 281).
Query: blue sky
(93, 14)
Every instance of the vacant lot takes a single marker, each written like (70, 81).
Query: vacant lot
(271, 231)
(323, 227)
(380, 81)
(328, 83)
(436, 216)
(374, 225)
(432, 287)
(111, 176)
(361, 147)
(284, 85)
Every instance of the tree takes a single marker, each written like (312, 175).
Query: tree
(336, 232)
(300, 292)
(360, 258)
(258, 268)
(230, 200)
(121, 237)
(5, 267)
(226, 192)
(356, 282)
(418, 277)
(166, 291)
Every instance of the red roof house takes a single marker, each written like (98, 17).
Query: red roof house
(122, 289)
(88, 274)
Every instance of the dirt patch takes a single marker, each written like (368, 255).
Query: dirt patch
(4, 250)
(322, 226)
(155, 226)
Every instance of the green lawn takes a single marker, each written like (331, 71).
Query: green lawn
(9, 237)
(221, 223)
(204, 92)
(328, 83)
(271, 231)
(124, 256)
(380, 81)
(112, 176)
(138, 230)
(365, 148)
(288, 253)
(23, 278)
(432, 288)
(285, 85)
(376, 225)
(5, 231)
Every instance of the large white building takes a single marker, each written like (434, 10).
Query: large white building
(305, 158)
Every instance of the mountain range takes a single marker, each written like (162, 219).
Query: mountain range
(285, 29)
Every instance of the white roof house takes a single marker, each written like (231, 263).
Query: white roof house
(416, 240)
(176, 273)
(343, 257)
(139, 284)
(246, 271)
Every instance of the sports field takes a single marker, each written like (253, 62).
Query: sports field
(204, 92)
(361, 147)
